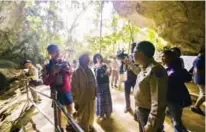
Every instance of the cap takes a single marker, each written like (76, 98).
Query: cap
(52, 48)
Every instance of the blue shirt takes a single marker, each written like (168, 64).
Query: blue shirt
(199, 64)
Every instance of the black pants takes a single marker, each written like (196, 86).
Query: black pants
(127, 89)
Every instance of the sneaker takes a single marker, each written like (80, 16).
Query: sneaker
(197, 110)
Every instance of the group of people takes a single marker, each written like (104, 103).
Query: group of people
(80, 87)
(156, 86)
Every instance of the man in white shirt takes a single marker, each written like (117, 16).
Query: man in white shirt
(150, 89)
(33, 77)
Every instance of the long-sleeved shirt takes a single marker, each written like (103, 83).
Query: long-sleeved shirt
(83, 86)
(150, 92)
(33, 73)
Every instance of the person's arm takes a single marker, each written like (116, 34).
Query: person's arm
(158, 90)
(67, 86)
(67, 68)
(191, 70)
(48, 78)
(108, 70)
(131, 66)
(135, 69)
(74, 86)
(186, 76)
(33, 73)
(197, 67)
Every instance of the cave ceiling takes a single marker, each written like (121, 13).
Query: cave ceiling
(181, 23)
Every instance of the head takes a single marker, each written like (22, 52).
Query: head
(27, 63)
(53, 51)
(98, 58)
(168, 57)
(202, 51)
(84, 60)
(177, 51)
(143, 52)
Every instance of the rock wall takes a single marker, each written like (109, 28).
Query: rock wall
(182, 23)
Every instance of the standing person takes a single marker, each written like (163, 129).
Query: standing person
(83, 92)
(128, 85)
(199, 79)
(104, 101)
(121, 73)
(130, 81)
(150, 89)
(178, 96)
(57, 74)
(33, 77)
(115, 73)
(177, 52)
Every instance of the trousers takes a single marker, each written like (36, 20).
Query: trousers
(142, 115)
(127, 89)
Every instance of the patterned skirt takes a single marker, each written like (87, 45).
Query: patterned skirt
(103, 101)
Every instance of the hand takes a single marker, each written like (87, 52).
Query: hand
(108, 72)
(56, 69)
(146, 129)
(126, 61)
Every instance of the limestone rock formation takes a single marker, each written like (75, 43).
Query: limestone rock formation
(182, 23)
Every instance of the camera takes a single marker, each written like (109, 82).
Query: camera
(61, 65)
(121, 55)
